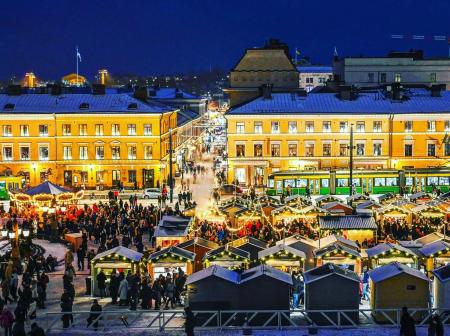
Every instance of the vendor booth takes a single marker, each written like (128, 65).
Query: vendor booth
(249, 244)
(120, 259)
(430, 214)
(356, 227)
(285, 213)
(385, 253)
(227, 256)
(368, 205)
(324, 199)
(339, 254)
(199, 247)
(356, 199)
(297, 201)
(338, 208)
(441, 287)
(435, 255)
(283, 257)
(395, 213)
(168, 260)
(420, 197)
(172, 230)
(386, 198)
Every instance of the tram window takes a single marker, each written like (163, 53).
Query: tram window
(325, 183)
(391, 181)
(409, 181)
(289, 182)
(443, 180)
(432, 180)
(379, 181)
(270, 183)
(356, 182)
(342, 182)
(302, 183)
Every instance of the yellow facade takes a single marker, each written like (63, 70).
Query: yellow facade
(261, 144)
(88, 149)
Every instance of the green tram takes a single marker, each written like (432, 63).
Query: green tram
(10, 183)
(371, 181)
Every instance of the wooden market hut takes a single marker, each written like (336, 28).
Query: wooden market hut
(241, 217)
(420, 197)
(202, 284)
(199, 247)
(386, 198)
(339, 254)
(394, 286)
(435, 254)
(284, 212)
(432, 211)
(249, 244)
(370, 205)
(331, 287)
(338, 207)
(168, 260)
(297, 201)
(354, 227)
(394, 211)
(172, 230)
(283, 257)
(120, 259)
(324, 199)
(385, 253)
(356, 199)
(304, 245)
(227, 256)
(441, 287)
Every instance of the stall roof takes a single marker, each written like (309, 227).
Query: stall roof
(216, 271)
(418, 195)
(283, 208)
(46, 187)
(386, 197)
(295, 239)
(312, 208)
(261, 270)
(386, 247)
(301, 198)
(442, 273)
(429, 238)
(280, 248)
(367, 204)
(393, 207)
(330, 205)
(325, 198)
(173, 250)
(327, 270)
(357, 197)
(198, 241)
(121, 251)
(433, 248)
(335, 238)
(336, 246)
(352, 222)
(427, 206)
(227, 249)
(393, 269)
(173, 226)
(248, 240)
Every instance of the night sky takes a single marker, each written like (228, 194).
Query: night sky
(184, 36)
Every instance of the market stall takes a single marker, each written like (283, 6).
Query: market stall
(386, 198)
(394, 213)
(120, 259)
(356, 199)
(340, 254)
(297, 201)
(355, 227)
(435, 254)
(172, 230)
(420, 198)
(227, 256)
(199, 247)
(249, 244)
(385, 253)
(283, 257)
(337, 208)
(324, 199)
(168, 260)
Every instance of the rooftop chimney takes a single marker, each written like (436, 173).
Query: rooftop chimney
(436, 89)
(14, 90)
(346, 92)
(141, 93)
(267, 91)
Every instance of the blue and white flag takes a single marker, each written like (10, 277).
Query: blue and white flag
(78, 55)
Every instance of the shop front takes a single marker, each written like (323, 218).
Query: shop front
(283, 257)
(169, 260)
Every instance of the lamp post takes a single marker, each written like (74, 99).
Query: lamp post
(170, 166)
(351, 147)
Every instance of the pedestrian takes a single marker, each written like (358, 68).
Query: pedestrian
(36, 330)
(101, 283)
(66, 309)
(123, 290)
(6, 321)
(80, 258)
(95, 314)
(189, 321)
(407, 327)
(114, 287)
(435, 327)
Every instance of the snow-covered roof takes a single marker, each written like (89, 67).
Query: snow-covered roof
(393, 269)
(216, 271)
(281, 248)
(442, 273)
(433, 248)
(248, 241)
(234, 252)
(173, 251)
(265, 270)
(385, 248)
(198, 241)
(327, 270)
(121, 251)
(353, 222)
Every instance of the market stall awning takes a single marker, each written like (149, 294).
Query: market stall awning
(436, 247)
(227, 251)
(172, 252)
(281, 249)
(353, 222)
(386, 248)
(336, 248)
(46, 188)
(121, 251)
(418, 195)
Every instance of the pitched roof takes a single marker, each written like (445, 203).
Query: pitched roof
(442, 273)
(281, 248)
(173, 251)
(72, 103)
(429, 238)
(121, 251)
(198, 241)
(335, 238)
(434, 248)
(353, 222)
(327, 270)
(393, 269)
(265, 270)
(336, 246)
(367, 204)
(216, 271)
(328, 206)
(356, 197)
(170, 93)
(327, 198)
(228, 250)
(314, 69)
(385, 248)
(46, 187)
(248, 240)
(418, 195)
(173, 226)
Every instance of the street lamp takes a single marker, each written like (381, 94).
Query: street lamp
(4, 232)
(11, 234)
(26, 233)
(170, 165)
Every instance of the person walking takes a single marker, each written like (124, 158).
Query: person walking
(114, 287)
(101, 283)
(123, 291)
(189, 321)
(95, 314)
(407, 327)
(66, 309)
(6, 321)
(80, 258)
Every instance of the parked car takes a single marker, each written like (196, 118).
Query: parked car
(151, 193)
(230, 189)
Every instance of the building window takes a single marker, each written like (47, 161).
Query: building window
(7, 153)
(275, 127)
(258, 150)
(240, 150)
(115, 129)
(66, 129)
(292, 149)
(67, 152)
(433, 77)
(309, 149)
(240, 128)
(7, 130)
(431, 126)
(99, 152)
(292, 127)
(377, 126)
(148, 129)
(371, 77)
(99, 129)
(326, 127)
(24, 152)
(447, 126)
(360, 149)
(408, 149)
(309, 80)
(408, 126)
(131, 129)
(377, 149)
(309, 127)
(82, 129)
(83, 153)
(43, 130)
(326, 149)
(258, 127)
(24, 130)
(275, 150)
(343, 127)
(447, 149)
(343, 149)
(131, 152)
(148, 152)
(115, 152)
(360, 126)
(431, 149)
(43, 153)
(383, 77)
(398, 77)
(116, 176)
(132, 176)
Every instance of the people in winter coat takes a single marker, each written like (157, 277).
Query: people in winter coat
(190, 321)
(407, 327)
(123, 292)
(114, 286)
(101, 283)
(95, 315)
(6, 321)
(146, 295)
(36, 330)
(66, 308)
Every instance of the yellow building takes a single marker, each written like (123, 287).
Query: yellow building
(74, 80)
(86, 140)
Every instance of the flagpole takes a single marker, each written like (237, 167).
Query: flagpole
(296, 52)
(76, 56)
